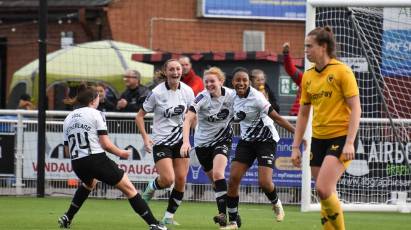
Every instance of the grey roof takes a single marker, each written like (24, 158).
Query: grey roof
(53, 3)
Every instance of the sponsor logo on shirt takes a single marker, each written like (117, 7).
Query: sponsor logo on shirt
(174, 111)
(239, 116)
(316, 96)
(222, 115)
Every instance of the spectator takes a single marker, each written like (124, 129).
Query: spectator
(105, 105)
(258, 81)
(157, 79)
(132, 99)
(25, 102)
(189, 76)
(295, 74)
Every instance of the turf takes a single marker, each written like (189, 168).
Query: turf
(29, 213)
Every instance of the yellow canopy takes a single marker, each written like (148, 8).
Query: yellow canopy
(101, 61)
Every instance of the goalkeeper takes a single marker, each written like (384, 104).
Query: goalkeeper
(330, 87)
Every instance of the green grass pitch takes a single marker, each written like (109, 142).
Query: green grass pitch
(29, 213)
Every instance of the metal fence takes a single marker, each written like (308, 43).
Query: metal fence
(379, 162)
(21, 127)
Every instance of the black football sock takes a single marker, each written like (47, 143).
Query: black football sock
(141, 207)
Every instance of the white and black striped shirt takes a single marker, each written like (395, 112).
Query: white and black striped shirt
(214, 117)
(169, 108)
(80, 132)
(252, 114)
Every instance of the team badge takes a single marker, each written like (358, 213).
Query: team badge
(334, 147)
(330, 78)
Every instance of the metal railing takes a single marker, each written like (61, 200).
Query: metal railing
(61, 181)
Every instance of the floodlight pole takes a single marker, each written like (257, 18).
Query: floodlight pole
(41, 132)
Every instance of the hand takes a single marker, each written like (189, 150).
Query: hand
(286, 48)
(348, 152)
(122, 103)
(304, 144)
(148, 145)
(296, 157)
(185, 149)
(124, 153)
(25, 105)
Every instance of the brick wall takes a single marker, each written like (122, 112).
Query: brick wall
(172, 26)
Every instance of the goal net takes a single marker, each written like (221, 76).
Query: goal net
(376, 43)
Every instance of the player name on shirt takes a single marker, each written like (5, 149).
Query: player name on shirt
(81, 129)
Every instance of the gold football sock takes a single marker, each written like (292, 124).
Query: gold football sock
(326, 225)
(334, 212)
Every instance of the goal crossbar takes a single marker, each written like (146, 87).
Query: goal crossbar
(358, 3)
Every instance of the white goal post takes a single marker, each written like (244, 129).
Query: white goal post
(374, 38)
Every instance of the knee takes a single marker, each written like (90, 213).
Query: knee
(234, 181)
(166, 181)
(265, 185)
(181, 180)
(322, 191)
(91, 186)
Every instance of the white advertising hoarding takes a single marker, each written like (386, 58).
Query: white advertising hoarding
(139, 166)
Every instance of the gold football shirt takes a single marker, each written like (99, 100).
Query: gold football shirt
(326, 91)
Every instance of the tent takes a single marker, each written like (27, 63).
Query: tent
(100, 61)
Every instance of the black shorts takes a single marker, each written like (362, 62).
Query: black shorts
(206, 155)
(97, 166)
(247, 152)
(165, 151)
(324, 147)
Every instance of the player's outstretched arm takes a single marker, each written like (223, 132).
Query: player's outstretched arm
(111, 148)
(281, 121)
(190, 118)
(148, 143)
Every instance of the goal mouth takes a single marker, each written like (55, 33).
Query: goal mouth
(374, 39)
